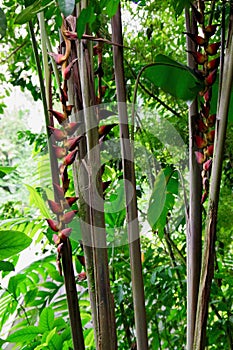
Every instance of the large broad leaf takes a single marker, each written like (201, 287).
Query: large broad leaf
(38, 201)
(3, 24)
(12, 242)
(26, 334)
(162, 199)
(175, 78)
(66, 6)
(29, 12)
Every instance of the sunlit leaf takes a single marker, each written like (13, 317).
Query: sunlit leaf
(26, 334)
(29, 12)
(38, 201)
(12, 242)
(175, 78)
(66, 6)
(6, 170)
(89, 337)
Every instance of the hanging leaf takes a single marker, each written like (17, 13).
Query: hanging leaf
(6, 266)
(66, 6)
(29, 12)
(12, 242)
(175, 78)
(3, 24)
(162, 199)
(111, 7)
(86, 16)
(37, 201)
(179, 6)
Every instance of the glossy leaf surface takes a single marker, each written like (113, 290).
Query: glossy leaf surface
(175, 78)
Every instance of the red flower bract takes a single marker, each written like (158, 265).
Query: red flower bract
(200, 142)
(65, 233)
(60, 152)
(58, 134)
(72, 127)
(69, 159)
(68, 217)
(61, 118)
(55, 207)
(200, 157)
(53, 225)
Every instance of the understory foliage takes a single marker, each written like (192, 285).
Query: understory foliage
(42, 210)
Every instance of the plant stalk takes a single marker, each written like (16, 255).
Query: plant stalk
(129, 181)
(207, 269)
(194, 217)
(70, 284)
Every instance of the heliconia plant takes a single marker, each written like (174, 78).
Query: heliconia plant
(80, 99)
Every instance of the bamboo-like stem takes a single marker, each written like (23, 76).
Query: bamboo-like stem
(70, 284)
(207, 269)
(91, 165)
(129, 180)
(194, 219)
(81, 180)
(72, 297)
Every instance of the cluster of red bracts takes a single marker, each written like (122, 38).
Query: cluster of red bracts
(205, 122)
(66, 151)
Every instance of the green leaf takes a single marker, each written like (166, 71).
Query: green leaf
(53, 340)
(86, 16)
(175, 78)
(46, 319)
(214, 100)
(29, 12)
(6, 169)
(30, 296)
(111, 7)
(26, 334)
(162, 199)
(38, 201)
(12, 242)
(89, 337)
(13, 284)
(66, 6)
(3, 24)
(6, 266)
(179, 6)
